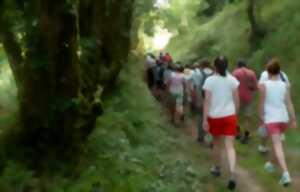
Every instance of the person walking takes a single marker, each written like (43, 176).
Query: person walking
(203, 71)
(221, 105)
(175, 87)
(276, 110)
(150, 67)
(262, 147)
(247, 88)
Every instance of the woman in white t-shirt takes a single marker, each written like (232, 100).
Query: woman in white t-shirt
(221, 105)
(262, 148)
(276, 110)
(175, 86)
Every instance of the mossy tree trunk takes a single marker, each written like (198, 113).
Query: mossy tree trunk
(47, 73)
(56, 87)
(110, 35)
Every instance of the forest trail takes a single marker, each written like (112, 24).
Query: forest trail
(246, 182)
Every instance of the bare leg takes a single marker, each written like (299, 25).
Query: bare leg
(217, 150)
(231, 155)
(247, 126)
(278, 152)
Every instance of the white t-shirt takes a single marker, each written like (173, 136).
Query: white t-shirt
(222, 101)
(176, 83)
(150, 62)
(265, 77)
(275, 110)
(198, 77)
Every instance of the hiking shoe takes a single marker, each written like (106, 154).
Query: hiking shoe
(231, 185)
(269, 167)
(285, 179)
(200, 140)
(263, 149)
(246, 138)
(215, 171)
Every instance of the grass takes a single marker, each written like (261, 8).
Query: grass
(253, 161)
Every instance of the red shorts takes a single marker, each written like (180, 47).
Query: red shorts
(225, 126)
(276, 128)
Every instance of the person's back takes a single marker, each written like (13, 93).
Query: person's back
(219, 116)
(196, 78)
(150, 61)
(282, 77)
(248, 83)
(222, 103)
(167, 74)
(176, 82)
(167, 58)
(203, 71)
(275, 108)
(263, 78)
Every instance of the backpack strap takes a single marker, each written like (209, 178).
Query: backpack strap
(204, 77)
(282, 77)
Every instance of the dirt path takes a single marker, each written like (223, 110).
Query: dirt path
(245, 181)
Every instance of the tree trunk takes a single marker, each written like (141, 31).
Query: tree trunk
(257, 33)
(110, 33)
(55, 118)
(48, 107)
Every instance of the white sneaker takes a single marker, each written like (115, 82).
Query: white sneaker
(285, 179)
(262, 149)
(269, 167)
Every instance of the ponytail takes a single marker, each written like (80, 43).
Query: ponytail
(221, 64)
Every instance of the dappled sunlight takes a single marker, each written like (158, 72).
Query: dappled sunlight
(159, 40)
(7, 86)
(162, 4)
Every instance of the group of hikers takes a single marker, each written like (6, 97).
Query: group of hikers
(219, 98)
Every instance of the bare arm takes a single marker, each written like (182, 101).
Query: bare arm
(255, 82)
(261, 102)
(236, 99)
(206, 106)
(290, 107)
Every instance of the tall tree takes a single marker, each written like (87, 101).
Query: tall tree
(56, 107)
(257, 31)
(108, 36)
(47, 74)
(58, 68)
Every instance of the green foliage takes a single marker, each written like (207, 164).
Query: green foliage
(15, 178)
(8, 92)
(215, 36)
(128, 151)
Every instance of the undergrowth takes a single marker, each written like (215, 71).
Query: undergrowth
(125, 153)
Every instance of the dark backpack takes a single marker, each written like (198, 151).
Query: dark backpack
(204, 77)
